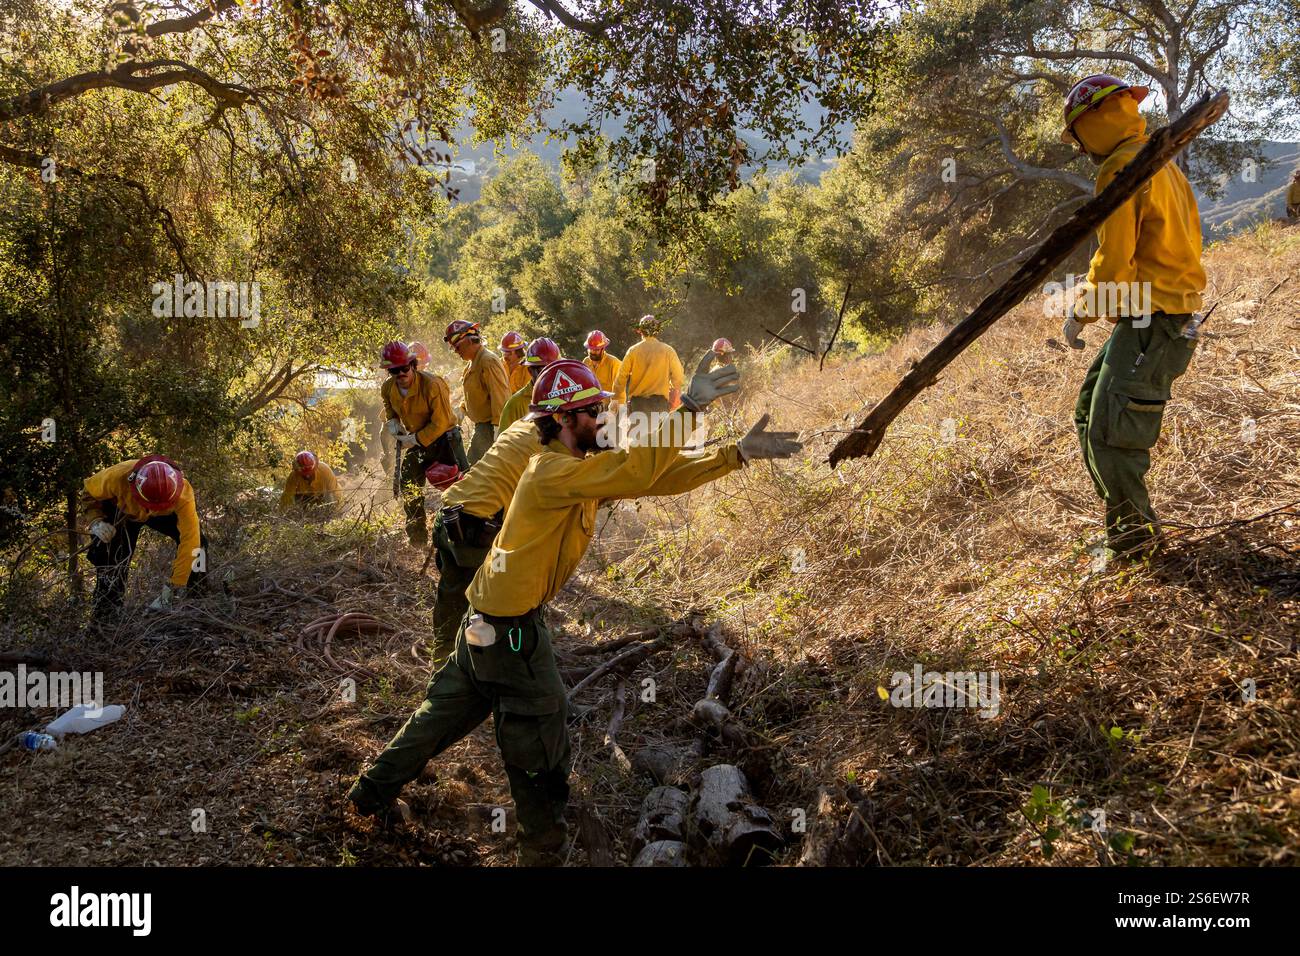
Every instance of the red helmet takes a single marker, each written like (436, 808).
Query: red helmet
(305, 462)
(512, 341)
(442, 476)
(597, 340)
(395, 355)
(420, 353)
(1088, 93)
(542, 352)
(723, 345)
(156, 483)
(563, 386)
(458, 330)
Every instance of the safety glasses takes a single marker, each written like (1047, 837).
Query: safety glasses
(400, 369)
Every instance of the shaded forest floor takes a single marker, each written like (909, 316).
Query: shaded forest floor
(962, 545)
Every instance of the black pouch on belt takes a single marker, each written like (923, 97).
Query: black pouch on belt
(451, 520)
(480, 532)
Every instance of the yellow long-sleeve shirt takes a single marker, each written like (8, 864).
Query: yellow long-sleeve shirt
(323, 486)
(486, 387)
(515, 408)
(606, 370)
(488, 487)
(517, 377)
(111, 485)
(424, 410)
(1293, 194)
(1154, 237)
(552, 517)
(650, 367)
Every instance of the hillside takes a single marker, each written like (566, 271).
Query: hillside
(960, 546)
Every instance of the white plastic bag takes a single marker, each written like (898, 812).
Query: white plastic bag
(82, 719)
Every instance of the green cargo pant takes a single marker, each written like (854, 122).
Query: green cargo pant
(484, 435)
(457, 565)
(517, 682)
(1118, 417)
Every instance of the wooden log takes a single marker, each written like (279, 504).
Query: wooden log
(662, 853)
(726, 827)
(30, 658)
(663, 817)
(820, 838)
(615, 724)
(668, 764)
(630, 658)
(1162, 147)
(595, 838)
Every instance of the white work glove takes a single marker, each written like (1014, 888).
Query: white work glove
(707, 387)
(759, 443)
(394, 427)
(103, 531)
(1071, 330)
(406, 439)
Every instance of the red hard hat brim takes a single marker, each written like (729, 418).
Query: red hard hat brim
(536, 412)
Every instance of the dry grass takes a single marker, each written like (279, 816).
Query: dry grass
(960, 555)
(970, 554)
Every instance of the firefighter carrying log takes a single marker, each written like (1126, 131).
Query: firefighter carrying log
(503, 664)
(417, 406)
(1152, 241)
(120, 500)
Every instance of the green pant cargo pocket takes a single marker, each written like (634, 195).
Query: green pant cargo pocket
(531, 732)
(1134, 422)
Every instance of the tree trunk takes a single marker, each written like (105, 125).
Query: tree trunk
(726, 827)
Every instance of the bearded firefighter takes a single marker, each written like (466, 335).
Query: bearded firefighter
(417, 406)
(1150, 245)
(724, 353)
(116, 503)
(600, 360)
(311, 485)
(503, 664)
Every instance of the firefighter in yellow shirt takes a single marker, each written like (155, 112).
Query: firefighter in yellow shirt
(1293, 198)
(1145, 278)
(650, 378)
(503, 664)
(120, 500)
(541, 353)
(512, 353)
(417, 409)
(484, 384)
(311, 485)
(601, 361)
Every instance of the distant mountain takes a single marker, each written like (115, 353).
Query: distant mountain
(1242, 205)
(474, 164)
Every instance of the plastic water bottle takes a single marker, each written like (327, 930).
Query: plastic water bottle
(34, 741)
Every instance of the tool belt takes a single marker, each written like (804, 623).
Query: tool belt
(465, 530)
